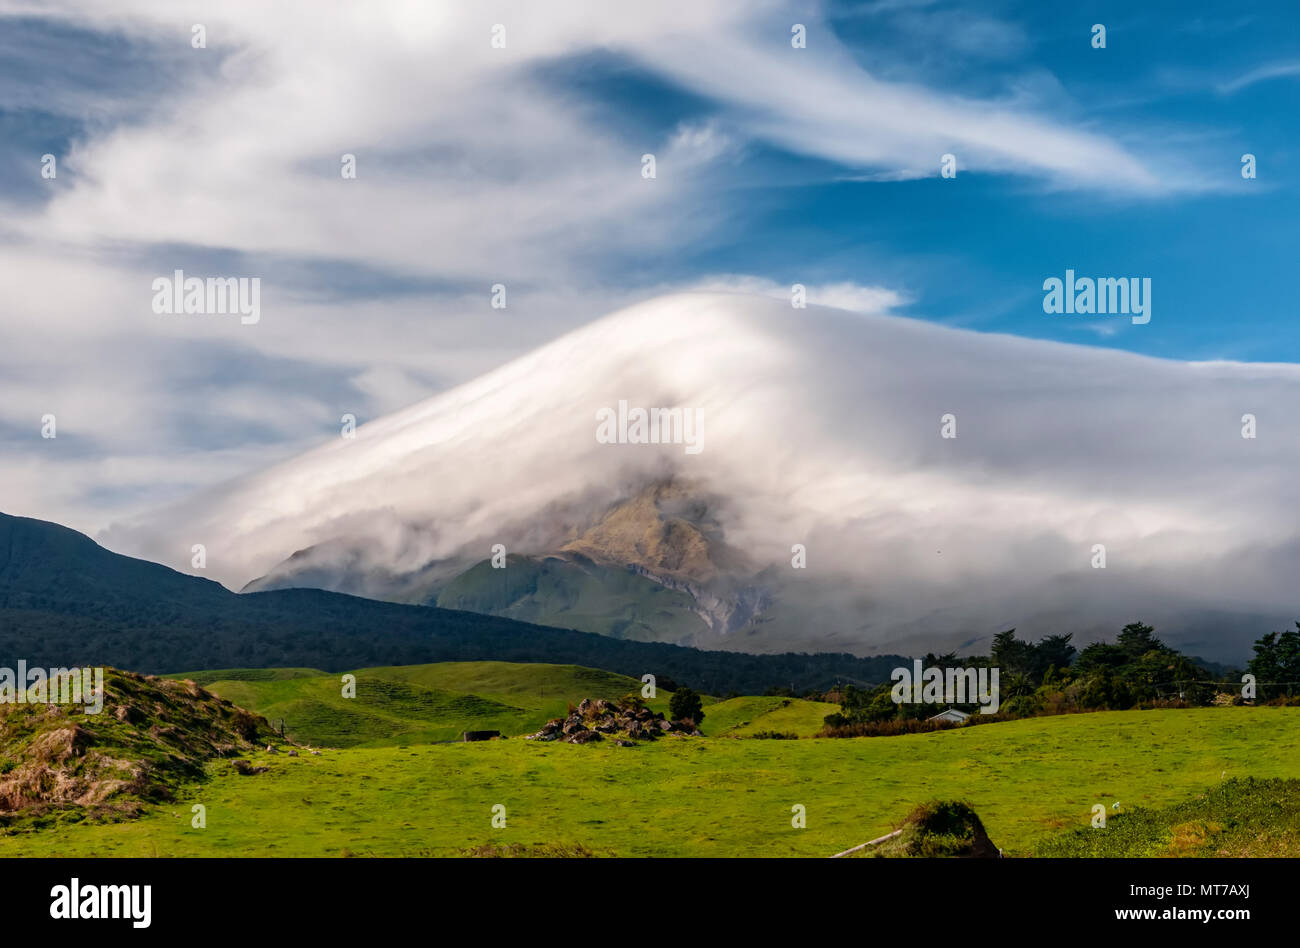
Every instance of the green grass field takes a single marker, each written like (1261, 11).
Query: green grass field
(416, 704)
(1028, 780)
(1235, 817)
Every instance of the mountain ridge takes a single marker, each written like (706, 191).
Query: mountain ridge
(65, 600)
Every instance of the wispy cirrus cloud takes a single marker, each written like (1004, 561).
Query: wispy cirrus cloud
(1278, 70)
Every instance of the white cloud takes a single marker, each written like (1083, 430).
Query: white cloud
(823, 427)
(1280, 70)
(472, 171)
(851, 296)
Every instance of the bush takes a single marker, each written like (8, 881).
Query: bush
(1021, 706)
(686, 706)
(941, 828)
(905, 726)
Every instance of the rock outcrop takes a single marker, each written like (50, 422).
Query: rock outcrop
(151, 736)
(592, 720)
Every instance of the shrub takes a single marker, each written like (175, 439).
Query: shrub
(898, 726)
(686, 706)
(1021, 706)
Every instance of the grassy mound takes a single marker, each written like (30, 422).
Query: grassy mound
(59, 763)
(938, 829)
(1239, 817)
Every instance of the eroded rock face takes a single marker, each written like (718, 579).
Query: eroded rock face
(60, 745)
(152, 735)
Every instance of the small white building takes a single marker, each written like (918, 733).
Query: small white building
(952, 714)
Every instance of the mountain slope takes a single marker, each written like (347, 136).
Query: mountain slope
(66, 601)
(574, 592)
(47, 567)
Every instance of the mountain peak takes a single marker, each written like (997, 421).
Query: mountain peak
(868, 441)
(667, 529)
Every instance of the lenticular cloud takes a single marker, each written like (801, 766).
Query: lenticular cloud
(823, 428)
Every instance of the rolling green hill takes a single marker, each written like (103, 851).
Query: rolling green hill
(743, 717)
(248, 674)
(1028, 781)
(416, 703)
(531, 685)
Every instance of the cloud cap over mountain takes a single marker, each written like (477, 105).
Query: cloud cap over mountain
(823, 428)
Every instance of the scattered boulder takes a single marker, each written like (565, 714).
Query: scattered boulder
(591, 719)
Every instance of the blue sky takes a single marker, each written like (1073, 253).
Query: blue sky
(973, 251)
(521, 166)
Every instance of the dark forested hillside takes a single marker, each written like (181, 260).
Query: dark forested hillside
(66, 600)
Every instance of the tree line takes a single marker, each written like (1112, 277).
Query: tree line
(1052, 676)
